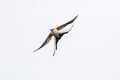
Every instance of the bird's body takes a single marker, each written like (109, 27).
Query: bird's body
(57, 35)
(55, 32)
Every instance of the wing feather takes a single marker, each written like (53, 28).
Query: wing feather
(45, 42)
(69, 22)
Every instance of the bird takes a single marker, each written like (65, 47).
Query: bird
(57, 34)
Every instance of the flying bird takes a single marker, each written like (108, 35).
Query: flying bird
(57, 35)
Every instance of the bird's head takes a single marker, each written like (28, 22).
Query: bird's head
(51, 29)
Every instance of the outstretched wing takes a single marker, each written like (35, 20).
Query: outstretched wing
(45, 42)
(69, 22)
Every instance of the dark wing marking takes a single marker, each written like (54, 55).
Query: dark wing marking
(68, 30)
(69, 22)
(45, 42)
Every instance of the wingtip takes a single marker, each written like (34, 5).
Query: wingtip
(34, 50)
(76, 16)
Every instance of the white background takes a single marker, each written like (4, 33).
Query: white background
(91, 51)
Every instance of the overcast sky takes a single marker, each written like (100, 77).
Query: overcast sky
(90, 51)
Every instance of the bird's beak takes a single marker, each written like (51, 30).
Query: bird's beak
(51, 29)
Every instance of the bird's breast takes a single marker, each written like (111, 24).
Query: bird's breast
(55, 33)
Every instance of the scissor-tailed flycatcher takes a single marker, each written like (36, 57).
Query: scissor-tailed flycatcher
(57, 35)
